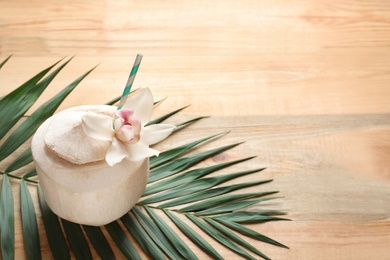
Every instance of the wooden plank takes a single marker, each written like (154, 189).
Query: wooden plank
(304, 83)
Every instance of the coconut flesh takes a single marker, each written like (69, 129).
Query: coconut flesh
(77, 183)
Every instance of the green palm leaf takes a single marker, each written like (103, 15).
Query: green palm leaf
(99, 242)
(171, 235)
(164, 117)
(5, 61)
(195, 186)
(77, 240)
(175, 180)
(229, 234)
(222, 203)
(122, 241)
(7, 220)
(195, 237)
(188, 177)
(230, 207)
(180, 164)
(29, 223)
(249, 217)
(142, 237)
(249, 232)
(113, 101)
(210, 193)
(188, 123)
(29, 174)
(31, 124)
(155, 233)
(54, 234)
(23, 159)
(15, 104)
(175, 152)
(219, 237)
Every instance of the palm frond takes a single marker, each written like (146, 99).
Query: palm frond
(29, 174)
(249, 232)
(177, 151)
(188, 176)
(14, 105)
(54, 233)
(155, 233)
(143, 239)
(195, 186)
(122, 241)
(99, 242)
(77, 240)
(31, 124)
(230, 235)
(7, 220)
(23, 159)
(193, 236)
(180, 188)
(188, 123)
(5, 61)
(184, 163)
(29, 223)
(166, 116)
(171, 235)
(210, 193)
(222, 202)
(219, 237)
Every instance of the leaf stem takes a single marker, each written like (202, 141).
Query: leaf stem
(174, 210)
(18, 177)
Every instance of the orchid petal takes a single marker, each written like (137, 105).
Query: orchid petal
(116, 153)
(97, 126)
(125, 133)
(118, 122)
(155, 133)
(125, 114)
(142, 105)
(138, 152)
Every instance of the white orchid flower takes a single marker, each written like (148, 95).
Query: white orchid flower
(130, 137)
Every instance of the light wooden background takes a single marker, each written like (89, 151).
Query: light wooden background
(306, 85)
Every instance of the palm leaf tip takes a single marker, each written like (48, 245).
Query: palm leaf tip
(5, 61)
(249, 232)
(166, 116)
(229, 234)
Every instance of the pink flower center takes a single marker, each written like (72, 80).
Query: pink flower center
(127, 126)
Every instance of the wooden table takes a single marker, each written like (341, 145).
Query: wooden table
(306, 85)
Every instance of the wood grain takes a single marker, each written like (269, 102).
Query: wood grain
(304, 83)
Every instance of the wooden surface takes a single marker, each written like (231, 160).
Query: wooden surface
(305, 83)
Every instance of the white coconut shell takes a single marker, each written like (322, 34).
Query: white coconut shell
(91, 193)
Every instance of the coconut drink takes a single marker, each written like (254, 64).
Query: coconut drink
(93, 161)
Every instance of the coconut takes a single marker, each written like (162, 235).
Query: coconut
(77, 183)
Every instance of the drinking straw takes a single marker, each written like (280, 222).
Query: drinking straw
(130, 81)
